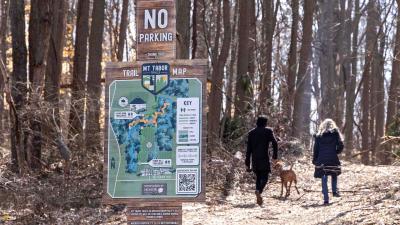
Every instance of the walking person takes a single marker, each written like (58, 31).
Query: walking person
(328, 144)
(258, 142)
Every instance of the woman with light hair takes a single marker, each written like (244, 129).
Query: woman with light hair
(328, 144)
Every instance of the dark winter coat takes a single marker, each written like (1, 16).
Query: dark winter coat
(326, 149)
(257, 149)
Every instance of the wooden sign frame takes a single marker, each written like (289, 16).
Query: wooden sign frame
(125, 71)
(156, 30)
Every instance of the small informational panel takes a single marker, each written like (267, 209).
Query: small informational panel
(155, 124)
(156, 30)
(160, 215)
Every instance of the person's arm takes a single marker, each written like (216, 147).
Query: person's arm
(316, 150)
(248, 152)
(339, 145)
(274, 146)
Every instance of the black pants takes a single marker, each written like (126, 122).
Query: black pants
(261, 180)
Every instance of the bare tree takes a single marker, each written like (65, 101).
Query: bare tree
(243, 81)
(39, 37)
(79, 73)
(4, 4)
(217, 78)
(350, 78)
(122, 30)
(268, 28)
(371, 39)
(183, 28)
(292, 61)
(18, 81)
(94, 77)
(303, 77)
(54, 64)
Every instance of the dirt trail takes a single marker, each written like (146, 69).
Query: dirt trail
(370, 195)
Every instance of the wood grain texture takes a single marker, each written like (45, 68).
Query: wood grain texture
(156, 50)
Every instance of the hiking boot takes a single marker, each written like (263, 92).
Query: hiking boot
(259, 198)
(326, 203)
(336, 194)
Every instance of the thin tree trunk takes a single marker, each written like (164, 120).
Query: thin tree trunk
(351, 80)
(327, 60)
(303, 78)
(252, 44)
(194, 28)
(365, 98)
(380, 103)
(394, 90)
(54, 66)
(79, 75)
(40, 21)
(3, 55)
(233, 59)
(265, 87)
(183, 28)
(94, 77)
(122, 29)
(217, 78)
(292, 61)
(243, 81)
(18, 81)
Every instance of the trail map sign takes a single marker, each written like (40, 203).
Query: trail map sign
(156, 30)
(154, 131)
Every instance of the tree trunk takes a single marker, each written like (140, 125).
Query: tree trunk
(200, 46)
(54, 67)
(365, 98)
(18, 80)
(3, 55)
(380, 156)
(183, 28)
(94, 77)
(233, 59)
(327, 60)
(265, 87)
(217, 78)
(79, 75)
(243, 81)
(252, 43)
(303, 78)
(39, 35)
(292, 61)
(194, 28)
(351, 80)
(394, 90)
(122, 29)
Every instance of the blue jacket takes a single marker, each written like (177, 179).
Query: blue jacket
(326, 149)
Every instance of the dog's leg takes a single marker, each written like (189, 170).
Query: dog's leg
(295, 186)
(288, 189)
(281, 189)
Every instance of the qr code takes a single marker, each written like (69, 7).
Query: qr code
(186, 181)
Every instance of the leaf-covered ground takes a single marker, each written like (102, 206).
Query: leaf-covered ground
(370, 195)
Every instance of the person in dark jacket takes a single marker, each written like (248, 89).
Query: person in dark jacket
(257, 150)
(328, 144)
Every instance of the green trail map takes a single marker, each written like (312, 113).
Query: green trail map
(154, 138)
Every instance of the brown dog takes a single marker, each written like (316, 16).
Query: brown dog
(287, 176)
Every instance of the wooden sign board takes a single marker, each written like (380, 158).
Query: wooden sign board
(156, 30)
(155, 132)
(155, 215)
